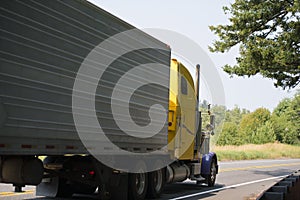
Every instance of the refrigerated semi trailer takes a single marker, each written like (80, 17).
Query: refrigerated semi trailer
(52, 54)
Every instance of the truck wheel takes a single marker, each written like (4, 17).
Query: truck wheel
(156, 183)
(211, 178)
(138, 183)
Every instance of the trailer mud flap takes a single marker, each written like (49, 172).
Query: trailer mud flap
(48, 187)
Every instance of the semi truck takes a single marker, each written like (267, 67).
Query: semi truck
(43, 47)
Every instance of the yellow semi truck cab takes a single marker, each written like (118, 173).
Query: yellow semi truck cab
(187, 143)
(182, 112)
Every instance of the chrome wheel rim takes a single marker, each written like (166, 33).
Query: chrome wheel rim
(158, 180)
(140, 183)
(213, 171)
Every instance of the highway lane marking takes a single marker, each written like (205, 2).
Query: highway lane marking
(6, 194)
(258, 167)
(228, 187)
(259, 161)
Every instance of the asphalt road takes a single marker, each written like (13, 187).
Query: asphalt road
(236, 180)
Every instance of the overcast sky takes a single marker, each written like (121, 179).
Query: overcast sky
(192, 18)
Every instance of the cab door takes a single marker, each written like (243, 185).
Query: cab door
(187, 103)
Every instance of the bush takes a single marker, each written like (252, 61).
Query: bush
(264, 134)
(229, 135)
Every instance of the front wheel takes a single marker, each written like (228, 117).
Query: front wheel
(138, 184)
(211, 177)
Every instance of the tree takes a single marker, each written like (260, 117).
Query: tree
(229, 135)
(286, 120)
(268, 33)
(251, 122)
(295, 113)
(280, 119)
(264, 134)
(235, 115)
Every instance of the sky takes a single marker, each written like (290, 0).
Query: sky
(191, 18)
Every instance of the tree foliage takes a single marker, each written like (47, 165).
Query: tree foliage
(268, 33)
(264, 134)
(229, 135)
(250, 124)
(286, 120)
(235, 115)
(239, 126)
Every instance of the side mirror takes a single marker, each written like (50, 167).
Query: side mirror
(212, 123)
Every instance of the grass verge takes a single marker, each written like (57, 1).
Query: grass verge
(253, 151)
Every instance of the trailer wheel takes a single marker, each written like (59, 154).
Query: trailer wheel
(211, 178)
(138, 183)
(156, 183)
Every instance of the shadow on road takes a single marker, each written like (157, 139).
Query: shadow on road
(171, 191)
(78, 197)
(183, 189)
(278, 172)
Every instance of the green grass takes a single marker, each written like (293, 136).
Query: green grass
(252, 151)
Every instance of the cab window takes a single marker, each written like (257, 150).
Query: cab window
(184, 89)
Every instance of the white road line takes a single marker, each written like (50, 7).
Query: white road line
(255, 161)
(228, 187)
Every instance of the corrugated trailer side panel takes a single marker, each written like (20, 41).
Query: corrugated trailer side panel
(42, 46)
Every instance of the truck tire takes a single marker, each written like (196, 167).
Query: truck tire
(137, 187)
(156, 183)
(211, 177)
